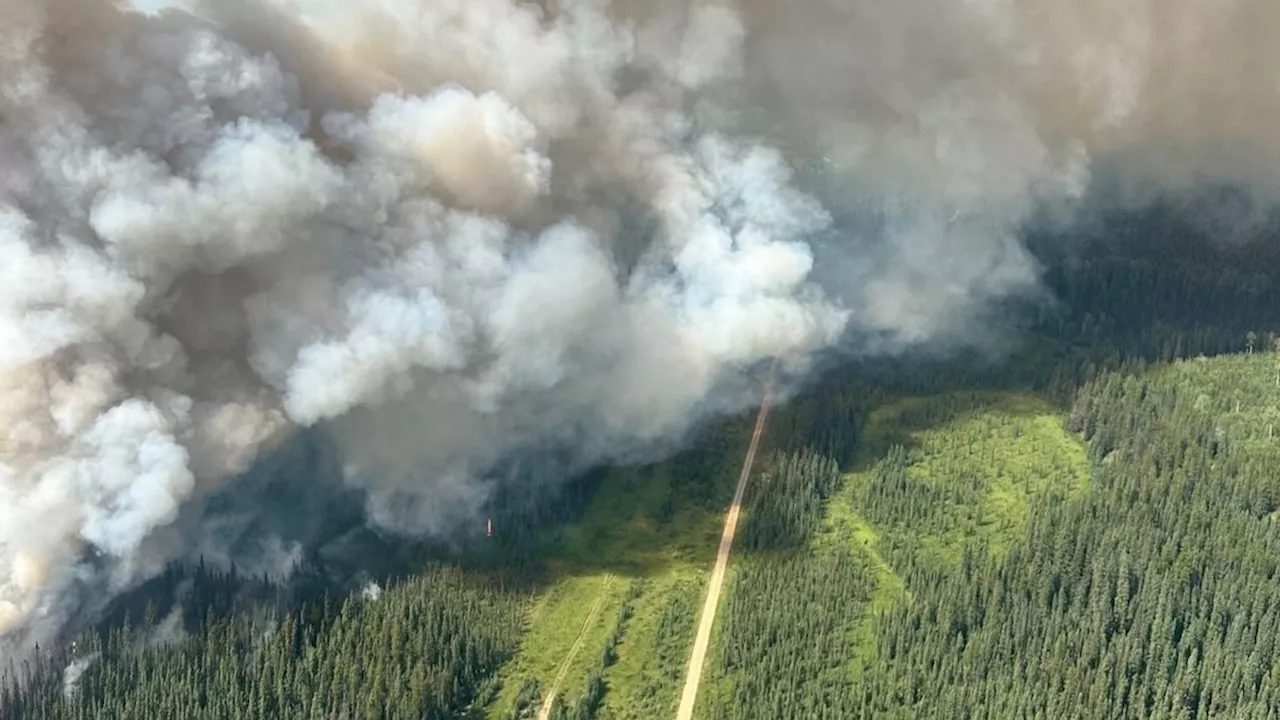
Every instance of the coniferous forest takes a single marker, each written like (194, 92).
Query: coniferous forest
(1086, 526)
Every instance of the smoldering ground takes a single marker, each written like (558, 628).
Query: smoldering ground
(444, 233)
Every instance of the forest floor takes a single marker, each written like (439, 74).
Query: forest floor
(703, 638)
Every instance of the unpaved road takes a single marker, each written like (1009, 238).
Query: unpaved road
(703, 638)
(544, 710)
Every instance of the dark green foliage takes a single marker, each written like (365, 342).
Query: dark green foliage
(525, 514)
(786, 503)
(526, 705)
(587, 705)
(784, 641)
(423, 649)
(785, 636)
(826, 419)
(1157, 284)
(1156, 596)
(700, 471)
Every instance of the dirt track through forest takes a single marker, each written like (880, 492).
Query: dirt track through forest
(544, 711)
(703, 638)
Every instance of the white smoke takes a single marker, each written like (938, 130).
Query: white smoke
(74, 670)
(450, 230)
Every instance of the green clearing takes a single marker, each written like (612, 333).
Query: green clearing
(984, 457)
(647, 541)
(989, 455)
(981, 458)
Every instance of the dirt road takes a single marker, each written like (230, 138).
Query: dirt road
(703, 638)
(544, 711)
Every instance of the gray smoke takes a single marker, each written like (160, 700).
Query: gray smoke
(450, 230)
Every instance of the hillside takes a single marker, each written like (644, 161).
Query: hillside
(626, 360)
(1082, 525)
(968, 562)
(939, 479)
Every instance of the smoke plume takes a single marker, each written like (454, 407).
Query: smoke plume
(449, 231)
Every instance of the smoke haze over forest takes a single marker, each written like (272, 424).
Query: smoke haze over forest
(447, 232)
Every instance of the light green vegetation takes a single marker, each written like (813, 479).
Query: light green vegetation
(576, 605)
(982, 460)
(931, 551)
(638, 525)
(1152, 595)
(987, 457)
(645, 682)
(647, 541)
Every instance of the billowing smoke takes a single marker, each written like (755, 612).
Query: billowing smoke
(449, 231)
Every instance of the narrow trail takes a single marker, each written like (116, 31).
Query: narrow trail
(544, 710)
(703, 638)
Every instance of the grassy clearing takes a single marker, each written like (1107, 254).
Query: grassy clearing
(548, 641)
(989, 456)
(635, 526)
(654, 530)
(985, 457)
(645, 682)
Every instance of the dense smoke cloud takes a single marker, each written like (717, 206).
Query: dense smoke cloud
(448, 231)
